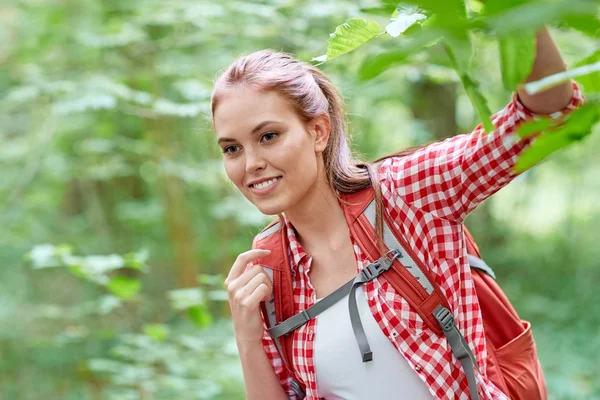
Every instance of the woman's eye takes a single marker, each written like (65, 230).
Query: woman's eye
(269, 136)
(230, 150)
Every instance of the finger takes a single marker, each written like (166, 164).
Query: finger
(242, 295)
(245, 277)
(242, 260)
(261, 293)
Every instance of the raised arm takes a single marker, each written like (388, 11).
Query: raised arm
(449, 179)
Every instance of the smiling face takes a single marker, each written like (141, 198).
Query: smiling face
(269, 153)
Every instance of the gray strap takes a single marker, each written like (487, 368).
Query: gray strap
(368, 273)
(476, 262)
(459, 346)
(303, 317)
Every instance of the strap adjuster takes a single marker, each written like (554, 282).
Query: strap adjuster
(444, 318)
(378, 267)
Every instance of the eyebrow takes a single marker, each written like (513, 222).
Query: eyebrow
(256, 129)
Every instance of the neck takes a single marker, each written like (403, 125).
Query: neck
(318, 217)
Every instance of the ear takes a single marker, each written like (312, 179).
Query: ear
(320, 129)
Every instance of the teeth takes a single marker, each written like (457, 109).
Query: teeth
(264, 185)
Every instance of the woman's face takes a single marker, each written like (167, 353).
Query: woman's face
(268, 152)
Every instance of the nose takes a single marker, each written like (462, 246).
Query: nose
(254, 161)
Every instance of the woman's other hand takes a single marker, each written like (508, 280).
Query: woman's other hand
(246, 288)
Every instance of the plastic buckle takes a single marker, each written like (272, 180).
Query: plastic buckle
(444, 318)
(378, 267)
(371, 271)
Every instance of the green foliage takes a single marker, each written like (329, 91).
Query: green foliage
(578, 126)
(590, 82)
(448, 19)
(517, 53)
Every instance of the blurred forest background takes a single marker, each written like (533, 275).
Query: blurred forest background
(118, 224)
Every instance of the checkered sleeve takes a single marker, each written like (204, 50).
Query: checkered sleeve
(450, 178)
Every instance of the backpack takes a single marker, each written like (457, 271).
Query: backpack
(512, 363)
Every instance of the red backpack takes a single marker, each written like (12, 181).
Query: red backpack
(512, 363)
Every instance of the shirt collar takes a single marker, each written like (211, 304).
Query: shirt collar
(297, 252)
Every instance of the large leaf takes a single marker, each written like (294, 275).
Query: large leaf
(517, 53)
(591, 82)
(577, 127)
(350, 35)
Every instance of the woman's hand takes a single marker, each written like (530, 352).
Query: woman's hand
(246, 289)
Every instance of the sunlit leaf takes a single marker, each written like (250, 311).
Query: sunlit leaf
(517, 53)
(350, 35)
(407, 16)
(124, 287)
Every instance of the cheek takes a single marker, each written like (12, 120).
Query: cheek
(234, 172)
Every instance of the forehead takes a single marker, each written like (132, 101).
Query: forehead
(241, 108)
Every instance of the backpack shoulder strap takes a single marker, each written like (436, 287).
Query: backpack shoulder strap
(281, 305)
(410, 278)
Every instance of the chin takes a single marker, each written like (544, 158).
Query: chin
(269, 209)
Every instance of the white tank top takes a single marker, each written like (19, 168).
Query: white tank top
(341, 374)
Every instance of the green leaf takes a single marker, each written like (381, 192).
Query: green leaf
(535, 126)
(407, 16)
(157, 332)
(517, 53)
(591, 82)
(374, 66)
(472, 88)
(579, 125)
(478, 101)
(496, 6)
(350, 35)
(587, 24)
(124, 287)
(200, 316)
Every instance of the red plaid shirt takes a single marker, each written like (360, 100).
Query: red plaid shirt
(428, 195)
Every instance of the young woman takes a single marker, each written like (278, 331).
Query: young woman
(281, 125)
